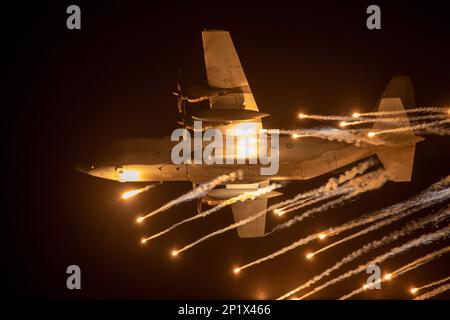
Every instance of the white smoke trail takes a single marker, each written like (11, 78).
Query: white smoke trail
(432, 284)
(198, 192)
(407, 229)
(434, 292)
(312, 200)
(407, 268)
(372, 114)
(361, 184)
(215, 233)
(367, 182)
(377, 226)
(358, 136)
(364, 137)
(135, 192)
(415, 127)
(434, 194)
(323, 117)
(413, 110)
(354, 187)
(414, 265)
(242, 197)
(439, 131)
(423, 240)
(332, 184)
(391, 120)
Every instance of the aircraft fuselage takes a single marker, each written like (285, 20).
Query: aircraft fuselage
(149, 159)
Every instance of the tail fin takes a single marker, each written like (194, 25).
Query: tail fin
(398, 157)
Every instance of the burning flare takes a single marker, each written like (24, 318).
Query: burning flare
(135, 192)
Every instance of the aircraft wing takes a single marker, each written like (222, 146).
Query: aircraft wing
(224, 70)
(243, 210)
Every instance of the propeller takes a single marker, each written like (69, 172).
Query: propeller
(179, 95)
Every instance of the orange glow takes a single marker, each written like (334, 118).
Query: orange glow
(247, 139)
(132, 193)
(356, 115)
(371, 134)
(261, 295)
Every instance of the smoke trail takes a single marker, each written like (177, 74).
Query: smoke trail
(429, 285)
(407, 229)
(413, 110)
(362, 137)
(332, 184)
(414, 265)
(434, 292)
(369, 181)
(198, 192)
(242, 197)
(439, 131)
(380, 224)
(431, 196)
(435, 194)
(230, 227)
(409, 267)
(312, 200)
(323, 117)
(423, 240)
(390, 120)
(357, 136)
(132, 193)
(376, 113)
(415, 127)
(364, 183)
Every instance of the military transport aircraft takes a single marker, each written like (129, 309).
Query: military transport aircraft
(232, 105)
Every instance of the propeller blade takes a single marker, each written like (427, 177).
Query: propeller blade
(179, 81)
(180, 104)
(179, 94)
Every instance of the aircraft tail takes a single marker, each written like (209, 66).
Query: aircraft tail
(398, 156)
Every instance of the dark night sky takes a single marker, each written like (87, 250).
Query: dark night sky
(75, 90)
